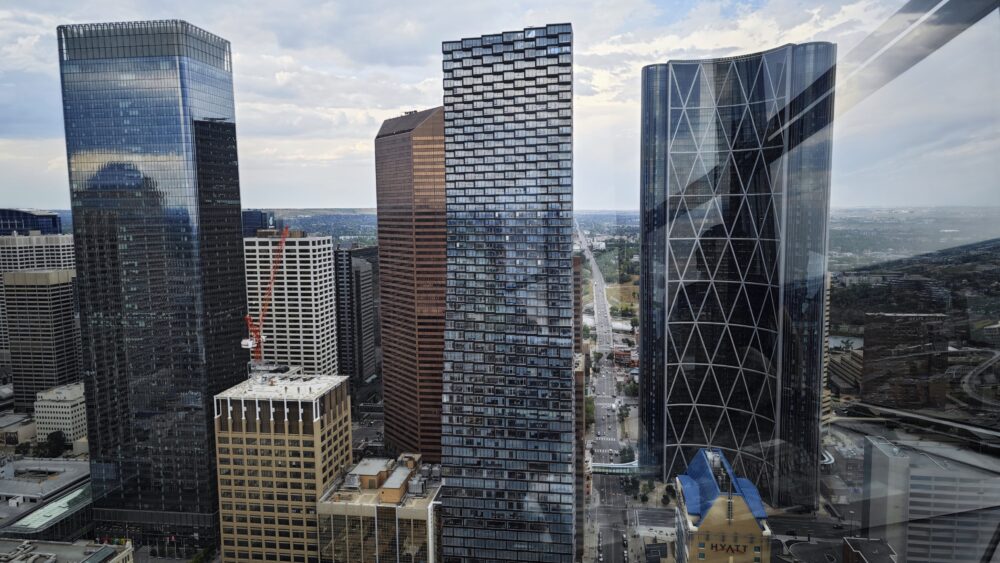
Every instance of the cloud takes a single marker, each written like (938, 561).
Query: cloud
(925, 138)
(27, 41)
(33, 173)
(314, 80)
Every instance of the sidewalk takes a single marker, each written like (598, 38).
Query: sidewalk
(629, 430)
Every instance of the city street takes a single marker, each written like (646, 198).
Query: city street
(611, 513)
(791, 526)
(608, 513)
(607, 510)
(602, 313)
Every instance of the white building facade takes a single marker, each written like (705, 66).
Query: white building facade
(931, 503)
(301, 327)
(61, 409)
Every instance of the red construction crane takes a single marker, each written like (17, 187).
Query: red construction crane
(255, 343)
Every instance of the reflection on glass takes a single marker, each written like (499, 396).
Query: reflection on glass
(507, 429)
(736, 177)
(151, 145)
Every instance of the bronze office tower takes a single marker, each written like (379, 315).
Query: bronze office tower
(409, 178)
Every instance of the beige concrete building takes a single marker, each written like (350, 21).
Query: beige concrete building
(16, 428)
(43, 332)
(720, 517)
(18, 551)
(61, 409)
(282, 439)
(32, 251)
(385, 510)
(35, 251)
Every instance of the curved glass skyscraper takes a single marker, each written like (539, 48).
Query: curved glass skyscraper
(735, 194)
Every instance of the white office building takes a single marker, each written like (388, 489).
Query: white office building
(301, 325)
(36, 252)
(61, 409)
(933, 503)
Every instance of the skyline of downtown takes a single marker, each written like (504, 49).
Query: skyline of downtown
(310, 104)
(152, 142)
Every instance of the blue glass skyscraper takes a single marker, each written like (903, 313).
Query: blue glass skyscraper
(22, 221)
(735, 191)
(151, 147)
(257, 219)
(507, 434)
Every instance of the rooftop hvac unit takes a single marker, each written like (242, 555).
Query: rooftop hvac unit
(416, 486)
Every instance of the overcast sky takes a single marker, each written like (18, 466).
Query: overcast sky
(314, 80)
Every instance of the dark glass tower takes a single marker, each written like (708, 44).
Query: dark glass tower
(23, 221)
(257, 219)
(508, 433)
(356, 272)
(735, 194)
(151, 145)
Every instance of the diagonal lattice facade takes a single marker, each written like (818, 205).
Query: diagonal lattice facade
(735, 189)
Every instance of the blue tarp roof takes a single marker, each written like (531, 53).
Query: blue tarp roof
(750, 494)
(700, 488)
(692, 495)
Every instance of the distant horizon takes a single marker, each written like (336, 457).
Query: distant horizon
(311, 92)
(375, 209)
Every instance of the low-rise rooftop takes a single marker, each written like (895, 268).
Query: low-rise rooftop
(409, 484)
(708, 474)
(272, 382)
(83, 551)
(10, 419)
(871, 550)
(40, 478)
(817, 552)
(371, 466)
(29, 484)
(397, 478)
(51, 513)
(371, 497)
(69, 392)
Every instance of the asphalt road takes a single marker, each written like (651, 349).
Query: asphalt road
(611, 511)
(806, 526)
(610, 546)
(654, 517)
(602, 313)
(608, 509)
(362, 431)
